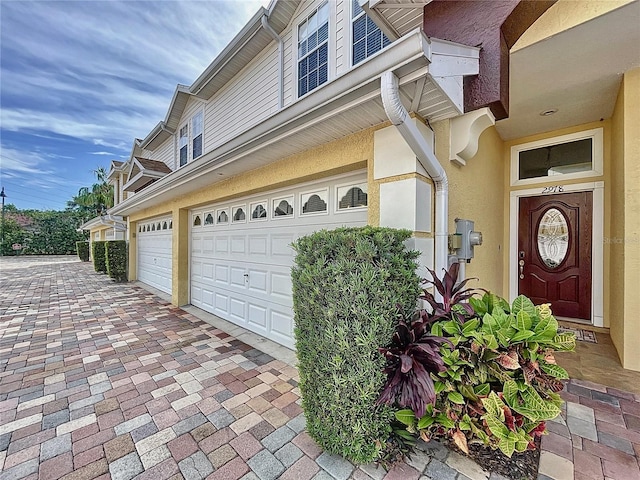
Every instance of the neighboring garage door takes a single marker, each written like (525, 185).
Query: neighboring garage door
(154, 253)
(241, 253)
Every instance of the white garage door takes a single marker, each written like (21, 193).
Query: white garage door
(241, 253)
(154, 253)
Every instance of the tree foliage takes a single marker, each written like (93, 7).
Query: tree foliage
(41, 232)
(94, 200)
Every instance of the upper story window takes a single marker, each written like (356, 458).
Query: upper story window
(190, 139)
(313, 50)
(367, 37)
(183, 145)
(197, 125)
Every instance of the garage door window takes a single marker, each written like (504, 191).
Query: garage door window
(223, 217)
(238, 214)
(259, 211)
(197, 221)
(352, 196)
(208, 219)
(314, 202)
(283, 207)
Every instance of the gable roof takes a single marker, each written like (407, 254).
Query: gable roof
(249, 42)
(143, 171)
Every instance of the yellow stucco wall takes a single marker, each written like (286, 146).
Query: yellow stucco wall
(348, 154)
(624, 237)
(476, 192)
(563, 15)
(616, 228)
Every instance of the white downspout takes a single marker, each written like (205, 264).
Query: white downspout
(277, 38)
(399, 116)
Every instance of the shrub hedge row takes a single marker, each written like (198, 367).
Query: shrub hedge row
(347, 287)
(99, 256)
(82, 248)
(116, 259)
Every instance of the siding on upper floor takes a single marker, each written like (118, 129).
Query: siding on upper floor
(244, 102)
(165, 153)
(252, 96)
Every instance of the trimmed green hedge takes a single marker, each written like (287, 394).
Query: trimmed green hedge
(116, 259)
(98, 253)
(347, 286)
(82, 248)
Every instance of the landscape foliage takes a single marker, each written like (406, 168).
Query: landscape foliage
(99, 256)
(347, 286)
(116, 259)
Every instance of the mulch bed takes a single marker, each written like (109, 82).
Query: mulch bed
(521, 466)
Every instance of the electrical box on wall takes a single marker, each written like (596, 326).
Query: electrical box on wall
(466, 238)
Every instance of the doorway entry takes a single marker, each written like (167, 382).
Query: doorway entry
(555, 252)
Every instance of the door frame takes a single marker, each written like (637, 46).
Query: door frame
(597, 240)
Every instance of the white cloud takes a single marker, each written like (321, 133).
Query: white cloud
(109, 154)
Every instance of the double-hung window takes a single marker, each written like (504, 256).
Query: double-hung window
(367, 36)
(197, 127)
(313, 50)
(190, 139)
(184, 145)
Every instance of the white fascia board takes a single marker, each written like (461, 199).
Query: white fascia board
(411, 52)
(88, 225)
(223, 58)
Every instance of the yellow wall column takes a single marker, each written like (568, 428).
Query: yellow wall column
(132, 229)
(180, 258)
(624, 242)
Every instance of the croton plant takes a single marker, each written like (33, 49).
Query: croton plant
(491, 367)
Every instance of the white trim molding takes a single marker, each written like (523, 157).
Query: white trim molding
(597, 155)
(597, 241)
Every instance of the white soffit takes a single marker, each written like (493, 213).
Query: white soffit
(399, 16)
(577, 71)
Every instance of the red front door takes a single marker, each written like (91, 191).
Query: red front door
(554, 252)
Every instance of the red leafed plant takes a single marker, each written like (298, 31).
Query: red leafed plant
(454, 295)
(414, 353)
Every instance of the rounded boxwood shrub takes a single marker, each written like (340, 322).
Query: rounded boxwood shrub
(348, 285)
(98, 253)
(116, 259)
(82, 248)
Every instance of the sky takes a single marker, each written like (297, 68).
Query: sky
(79, 80)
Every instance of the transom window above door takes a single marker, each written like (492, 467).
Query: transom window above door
(576, 155)
(313, 50)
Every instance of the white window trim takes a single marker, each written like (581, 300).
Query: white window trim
(321, 191)
(336, 205)
(597, 170)
(190, 137)
(597, 242)
(331, 47)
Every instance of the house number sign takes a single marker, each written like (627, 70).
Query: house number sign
(553, 189)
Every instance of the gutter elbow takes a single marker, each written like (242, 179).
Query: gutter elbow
(390, 93)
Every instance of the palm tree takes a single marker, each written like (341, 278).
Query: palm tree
(97, 199)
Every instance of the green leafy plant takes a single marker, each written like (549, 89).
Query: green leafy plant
(116, 259)
(82, 248)
(501, 381)
(413, 355)
(348, 285)
(99, 256)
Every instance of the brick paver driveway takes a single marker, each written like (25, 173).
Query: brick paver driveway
(104, 380)
(100, 379)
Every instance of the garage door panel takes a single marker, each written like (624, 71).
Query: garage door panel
(207, 271)
(281, 287)
(257, 280)
(237, 309)
(237, 277)
(222, 274)
(258, 246)
(154, 257)
(222, 244)
(238, 245)
(257, 316)
(252, 260)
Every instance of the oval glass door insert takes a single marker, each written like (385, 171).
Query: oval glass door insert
(553, 238)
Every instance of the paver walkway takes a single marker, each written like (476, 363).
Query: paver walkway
(100, 380)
